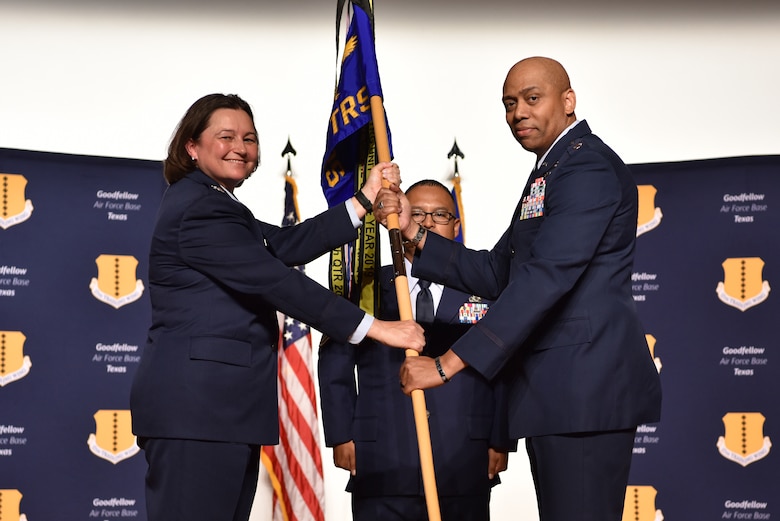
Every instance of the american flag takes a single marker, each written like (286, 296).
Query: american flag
(295, 465)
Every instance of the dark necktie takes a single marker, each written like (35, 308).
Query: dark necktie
(424, 303)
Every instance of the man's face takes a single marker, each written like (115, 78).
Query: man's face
(433, 201)
(538, 107)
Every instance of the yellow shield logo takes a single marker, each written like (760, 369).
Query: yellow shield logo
(14, 365)
(651, 345)
(744, 442)
(640, 504)
(116, 283)
(742, 286)
(10, 501)
(14, 209)
(649, 216)
(113, 439)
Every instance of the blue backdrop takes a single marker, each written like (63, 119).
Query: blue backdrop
(707, 258)
(74, 242)
(74, 311)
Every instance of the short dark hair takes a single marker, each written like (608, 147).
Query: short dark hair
(434, 183)
(179, 163)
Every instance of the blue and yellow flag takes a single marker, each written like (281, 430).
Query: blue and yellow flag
(351, 113)
(350, 154)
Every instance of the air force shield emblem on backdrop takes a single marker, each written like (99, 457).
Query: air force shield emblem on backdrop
(742, 286)
(116, 283)
(14, 208)
(14, 365)
(113, 439)
(651, 345)
(11, 500)
(640, 504)
(649, 215)
(744, 442)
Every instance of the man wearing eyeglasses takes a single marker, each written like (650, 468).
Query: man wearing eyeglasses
(370, 425)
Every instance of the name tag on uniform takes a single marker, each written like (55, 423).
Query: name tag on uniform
(533, 203)
(472, 312)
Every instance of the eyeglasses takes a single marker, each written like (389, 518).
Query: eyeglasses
(438, 216)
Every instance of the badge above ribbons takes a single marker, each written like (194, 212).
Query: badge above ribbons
(472, 311)
(649, 216)
(116, 283)
(742, 286)
(113, 439)
(744, 442)
(14, 364)
(14, 208)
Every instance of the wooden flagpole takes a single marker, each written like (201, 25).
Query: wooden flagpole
(405, 310)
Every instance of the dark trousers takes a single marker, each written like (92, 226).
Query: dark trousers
(581, 477)
(191, 480)
(413, 508)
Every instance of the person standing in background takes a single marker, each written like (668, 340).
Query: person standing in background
(370, 423)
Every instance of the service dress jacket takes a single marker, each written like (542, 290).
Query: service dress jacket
(466, 416)
(564, 325)
(217, 276)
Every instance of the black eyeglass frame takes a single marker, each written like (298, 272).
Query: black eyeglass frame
(417, 213)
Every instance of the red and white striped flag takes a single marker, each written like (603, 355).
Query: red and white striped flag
(295, 465)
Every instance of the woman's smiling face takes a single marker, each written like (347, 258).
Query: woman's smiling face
(227, 150)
